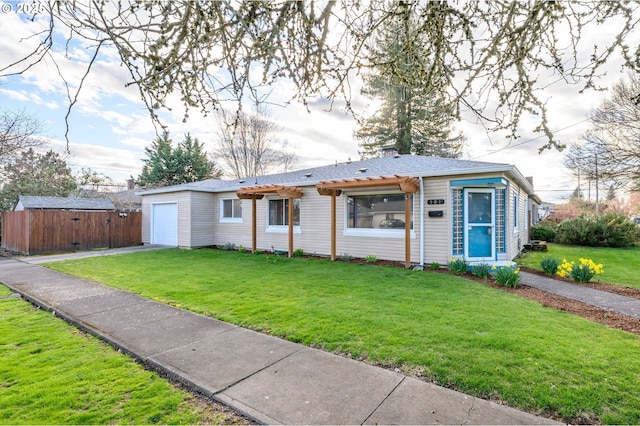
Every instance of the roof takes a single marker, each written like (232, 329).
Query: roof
(404, 165)
(66, 203)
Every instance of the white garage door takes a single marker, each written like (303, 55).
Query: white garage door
(164, 224)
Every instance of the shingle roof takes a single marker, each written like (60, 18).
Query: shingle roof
(69, 203)
(405, 165)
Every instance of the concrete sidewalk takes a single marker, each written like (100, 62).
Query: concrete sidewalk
(271, 380)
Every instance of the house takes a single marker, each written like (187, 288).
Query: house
(404, 208)
(29, 202)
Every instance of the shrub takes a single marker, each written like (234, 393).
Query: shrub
(507, 276)
(228, 246)
(543, 231)
(458, 266)
(298, 252)
(550, 265)
(371, 258)
(434, 266)
(610, 230)
(345, 257)
(581, 272)
(241, 249)
(481, 271)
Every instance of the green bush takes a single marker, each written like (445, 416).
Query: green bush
(434, 266)
(458, 266)
(550, 265)
(481, 270)
(610, 230)
(298, 252)
(507, 276)
(543, 232)
(371, 258)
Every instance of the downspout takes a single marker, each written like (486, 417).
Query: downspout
(421, 223)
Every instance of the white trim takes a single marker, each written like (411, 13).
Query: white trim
(377, 233)
(467, 225)
(282, 229)
(224, 219)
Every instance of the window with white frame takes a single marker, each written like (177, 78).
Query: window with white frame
(515, 213)
(526, 214)
(231, 210)
(279, 212)
(377, 211)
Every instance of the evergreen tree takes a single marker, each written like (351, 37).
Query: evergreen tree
(35, 174)
(413, 118)
(166, 165)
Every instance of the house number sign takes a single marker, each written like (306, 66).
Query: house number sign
(435, 201)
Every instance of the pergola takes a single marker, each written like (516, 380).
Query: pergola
(257, 193)
(408, 185)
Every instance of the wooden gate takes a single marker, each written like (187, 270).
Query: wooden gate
(50, 231)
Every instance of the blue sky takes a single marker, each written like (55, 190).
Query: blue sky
(109, 126)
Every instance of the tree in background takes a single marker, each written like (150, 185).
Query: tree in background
(491, 55)
(166, 165)
(36, 174)
(249, 145)
(610, 151)
(19, 131)
(414, 118)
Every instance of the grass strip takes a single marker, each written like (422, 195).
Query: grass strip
(51, 373)
(458, 333)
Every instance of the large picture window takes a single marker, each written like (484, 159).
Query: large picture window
(279, 212)
(379, 211)
(231, 210)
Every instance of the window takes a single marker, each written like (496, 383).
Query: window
(279, 212)
(380, 211)
(458, 222)
(501, 194)
(231, 210)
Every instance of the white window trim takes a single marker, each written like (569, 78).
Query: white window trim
(516, 214)
(372, 232)
(280, 229)
(526, 215)
(228, 219)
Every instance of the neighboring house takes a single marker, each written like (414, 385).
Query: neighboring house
(405, 208)
(28, 202)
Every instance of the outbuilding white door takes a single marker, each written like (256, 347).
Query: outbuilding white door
(164, 224)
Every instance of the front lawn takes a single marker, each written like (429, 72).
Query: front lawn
(459, 333)
(621, 265)
(51, 373)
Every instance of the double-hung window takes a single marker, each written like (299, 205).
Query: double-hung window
(516, 213)
(278, 215)
(231, 210)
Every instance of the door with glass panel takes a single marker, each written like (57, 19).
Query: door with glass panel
(479, 226)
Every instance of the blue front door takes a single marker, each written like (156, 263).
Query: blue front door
(479, 224)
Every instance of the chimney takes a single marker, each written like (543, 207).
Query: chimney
(131, 184)
(388, 151)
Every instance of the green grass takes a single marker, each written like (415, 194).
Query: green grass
(459, 333)
(621, 265)
(51, 373)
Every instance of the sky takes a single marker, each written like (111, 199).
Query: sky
(110, 127)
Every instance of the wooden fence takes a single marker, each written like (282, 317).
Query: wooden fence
(50, 231)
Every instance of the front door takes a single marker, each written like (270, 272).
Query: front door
(479, 224)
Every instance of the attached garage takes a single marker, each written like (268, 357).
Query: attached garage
(164, 224)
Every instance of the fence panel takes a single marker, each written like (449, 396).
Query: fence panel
(48, 231)
(15, 231)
